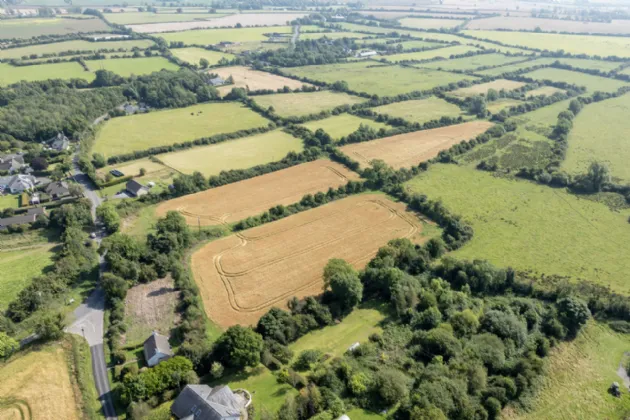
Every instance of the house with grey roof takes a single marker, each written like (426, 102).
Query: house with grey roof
(17, 184)
(217, 81)
(22, 219)
(201, 402)
(57, 190)
(156, 349)
(59, 142)
(12, 163)
(136, 189)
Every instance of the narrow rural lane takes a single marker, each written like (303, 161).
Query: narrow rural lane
(296, 34)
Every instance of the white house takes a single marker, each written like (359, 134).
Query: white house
(156, 349)
(366, 54)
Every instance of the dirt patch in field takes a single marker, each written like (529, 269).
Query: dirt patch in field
(410, 149)
(150, 307)
(485, 87)
(254, 80)
(240, 277)
(249, 19)
(234, 202)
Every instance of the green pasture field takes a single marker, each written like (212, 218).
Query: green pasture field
(424, 23)
(71, 70)
(471, 63)
(409, 45)
(579, 374)
(377, 79)
(329, 35)
(582, 63)
(421, 110)
(483, 88)
(193, 55)
(362, 414)
(304, 103)
(592, 83)
(341, 125)
(19, 267)
(430, 54)
(163, 128)
(516, 67)
(241, 153)
(543, 118)
(214, 36)
(77, 45)
(523, 225)
(353, 27)
(500, 104)
(600, 133)
(545, 90)
(127, 66)
(28, 28)
(150, 17)
(491, 46)
(602, 46)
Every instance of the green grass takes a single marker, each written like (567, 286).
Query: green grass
(424, 23)
(342, 125)
(150, 17)
(420, 110)
(362, 414)
(140, 224)
(127, 66)
(353, 27)
(516, 67)
(162, 128)
(491, 46)
(533, 227)
(19, 267)
(379, 79)
(77, 45)
(545, 90)
(28, 28)
(430, 54)
(297, 104)
(496, 106)
(543, 118)
(193, 55)
(575, 44)
(241, 153)
(79, 361)
(162, 180)
(409, 45)
(592, 83)
(329, 35)
(214, 36)
(9, 201)
(71, 70)
(474, 62)
(579, 374)
(581, 63)
(600, 132)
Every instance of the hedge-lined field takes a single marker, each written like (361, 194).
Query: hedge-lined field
(420, 110)
(592, 83)
(214, 36)
(127, 66)
(341, 125)
(72, 70)
(28, 28)
(297, 104)
(76, 45)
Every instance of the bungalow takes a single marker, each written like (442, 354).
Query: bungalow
(156, 349)
(200, 402)
(217, 81)
(17, 183)
(59, 142)
(366, 54)
(57, 190)
(29, 217)
(136, 189)
(12, 163)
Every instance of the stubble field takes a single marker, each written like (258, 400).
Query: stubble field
(424, 23)
(240, 277)
(244, 77)
(304, 103)
(150, 17)
(550, 25)
(420, 110)
(262, 19)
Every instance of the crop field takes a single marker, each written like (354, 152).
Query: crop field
(240, 277)
(483, 88)
(545, 90)
(406, 150)
(579, 374)
(150, 17)
(77, 45)
(379, 79)
(550, 25)
(474, 62)
(215, 36)
(592, 83)
(244, 77)
(600, 133)
(193, 55)
(262, 19)
(127, 66)
(430, 54)
(516, 67)
(12, 74)
(602, 46)
(162, 128)
(241, 153)
(343, 124)
(37, 386)
(18, 267)
(28, 28)
(423, 23)
(522, 225)
(296, 104)
(420, 110)
(237, 201)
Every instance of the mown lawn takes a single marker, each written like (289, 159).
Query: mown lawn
(341, 125)
(296, 104)
(127, 66)
(421, 110)
(12, 74)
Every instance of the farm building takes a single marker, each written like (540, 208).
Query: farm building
(156, 349)
(29, 217)
(136, 189)
(217, 81)
(366, 54)
(204, 403)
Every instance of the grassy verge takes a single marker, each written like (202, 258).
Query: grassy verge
(80, 365)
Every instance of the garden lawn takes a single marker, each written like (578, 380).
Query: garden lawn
(305, 103)
(11, 74)
(214, 36)
(32, 27)
(600, 133)
(341, 125)
(19, 267)
(474, 62)
(430, 54)
(420, 110)
(76, 45)
(241, 153)
(193, 55)
(163, 128)
(592, 83)
(127, 66)
(525, 225)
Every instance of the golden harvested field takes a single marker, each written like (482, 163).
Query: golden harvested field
(304, 103)
(245, 77)
(38, 382)
(405, 150)
(483, 88)
(237, 201)
(240, 277)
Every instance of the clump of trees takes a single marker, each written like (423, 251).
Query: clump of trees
(308, 52)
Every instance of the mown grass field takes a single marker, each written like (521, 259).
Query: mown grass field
(77, 45)
(592, 83)
(296, 104)
(600, 133)
(127, 66)
(162, 128)
(241, 153)
(474, 62)
(590, 64)
(150, 17)
(496, 106)
(516, 67)
(193, 55)
(524, 225)
(421, 110)
(425, 23)
(483, 88)
(19, 267)
(430, 54)
(378, 79)
(353, 27)
(579, 374)
(28, 28)
(214, 36)
(341, 125)
(12, 74)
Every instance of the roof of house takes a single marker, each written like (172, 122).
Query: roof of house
(24, 181)
(134, 186)
(57, 188)
(156, 343)
(216, 81)
(29, 217)
(9, 162)
(205, 403)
